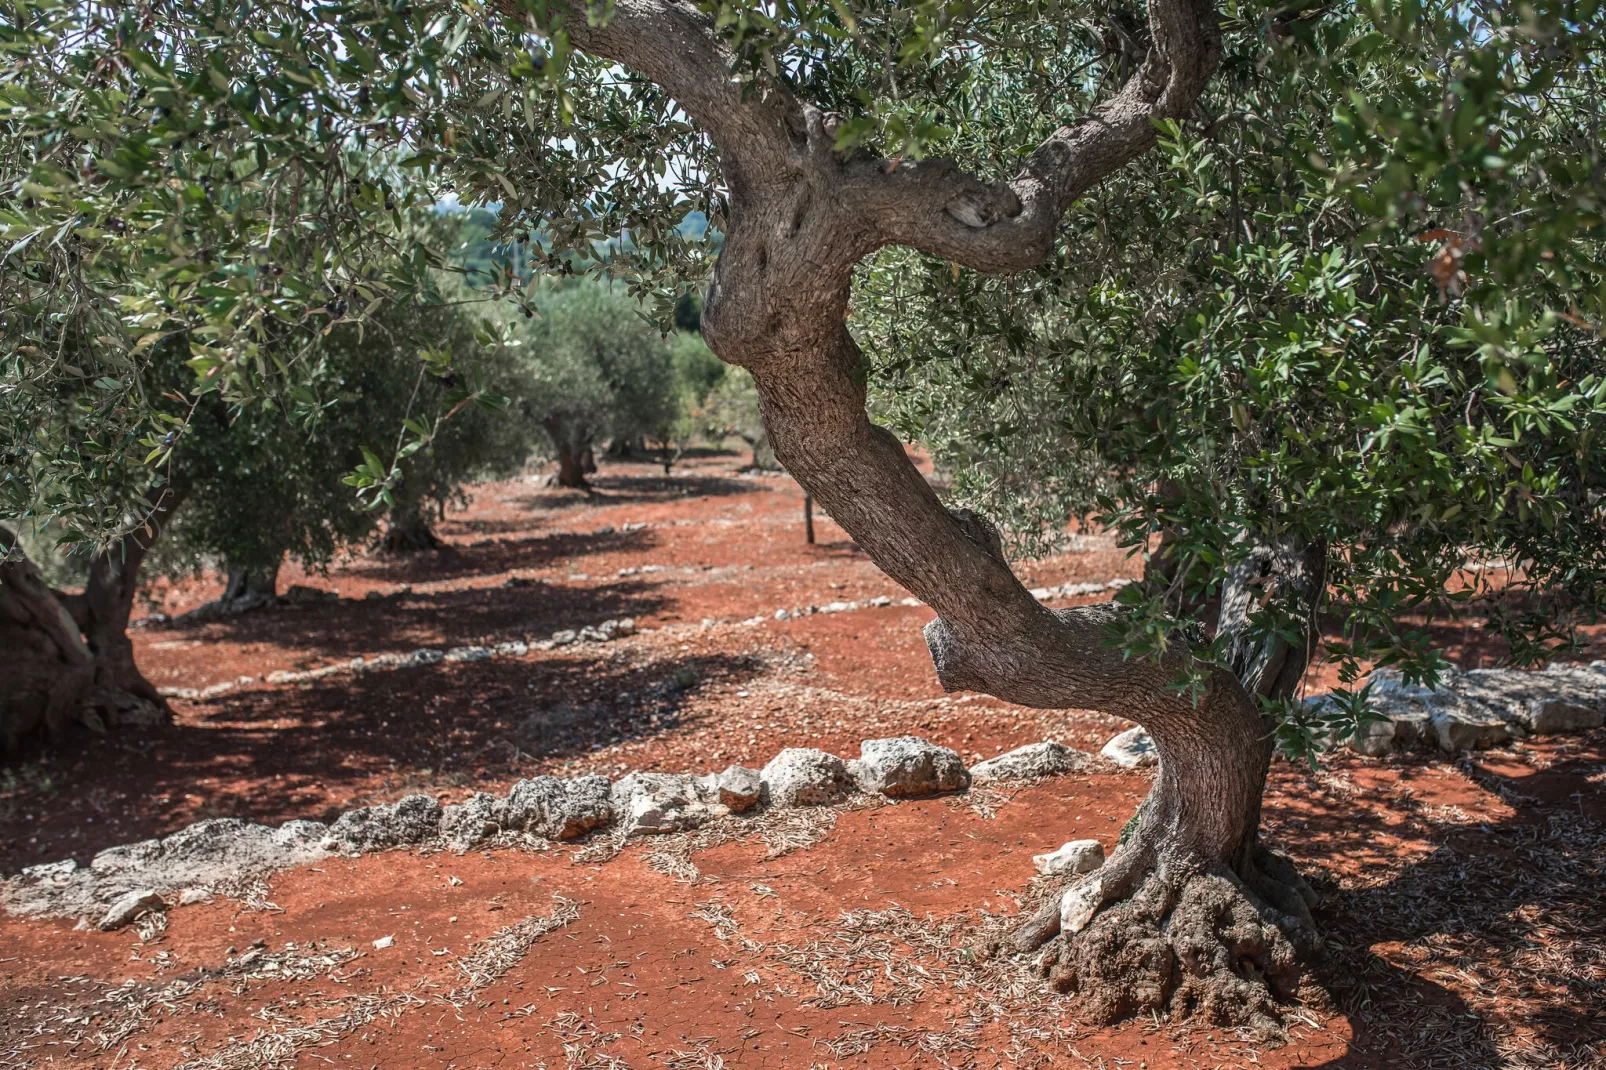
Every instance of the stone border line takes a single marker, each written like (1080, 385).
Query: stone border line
(605, 632)
(1471, 709)
(121, 884)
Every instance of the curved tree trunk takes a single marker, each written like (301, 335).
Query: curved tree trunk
(69, 657)
(1202, 918)
(49, 669)
(248, 587)
(1188, 914)
(572, 470)
(571, 444)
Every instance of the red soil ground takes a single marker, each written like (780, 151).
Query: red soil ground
(1464, 914)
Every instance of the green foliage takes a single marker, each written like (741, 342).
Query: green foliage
(732, 409)
(218, 185)
(1357, 298)
(1357, 302)
(698, 373)
(595, 367)
(266, 478)
(697, 370)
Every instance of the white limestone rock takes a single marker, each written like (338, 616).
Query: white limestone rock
(130, 906)
(474, 820)
(737, 788)
(1481, 708)
(202, 854)
(1031, 762)
(804, 776)
(1077, 856)
(1131, 749)
(1561, 698)
(648, 804)
(414, 819)
(908, 766)
(1080, 902)
(560, 809)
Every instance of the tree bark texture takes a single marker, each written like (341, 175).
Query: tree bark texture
(250, 586)
(408, 533)
(69, 659)
(1189, 914)
(571, 443)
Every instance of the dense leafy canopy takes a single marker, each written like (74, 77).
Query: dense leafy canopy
(270, 479)
(1357, 300)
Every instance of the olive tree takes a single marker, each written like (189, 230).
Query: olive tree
(155, 147)
(595, 368)
(732, 408)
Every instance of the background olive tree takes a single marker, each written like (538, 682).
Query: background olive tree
(595, 369)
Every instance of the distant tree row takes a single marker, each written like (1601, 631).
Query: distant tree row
(391, 415)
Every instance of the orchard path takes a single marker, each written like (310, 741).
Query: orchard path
(1464, 909)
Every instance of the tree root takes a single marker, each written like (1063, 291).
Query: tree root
(1183, 943)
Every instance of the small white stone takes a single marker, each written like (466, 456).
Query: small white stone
(1077, 856)
(384, 942)
(1080, 902)
(1030, 762)
(1131, 748)
(130, 906)
(908, 766)
(804, 776)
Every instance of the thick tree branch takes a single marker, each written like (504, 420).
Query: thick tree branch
(22, 578)
(939, 209)
(800, 219)
(991, 635)
(675, 46)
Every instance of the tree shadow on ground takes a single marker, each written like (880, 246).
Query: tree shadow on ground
(330, 631)
(1510, 915)
(273, 754)
(502, 555)
(613, 490)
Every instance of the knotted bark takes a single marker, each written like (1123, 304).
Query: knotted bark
(69, 658)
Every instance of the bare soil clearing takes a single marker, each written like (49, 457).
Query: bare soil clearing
(1464, 906)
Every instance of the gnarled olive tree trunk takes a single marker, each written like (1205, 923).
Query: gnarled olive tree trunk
(408, 532)
(1188, 914)
(68, 657)
(571, 443)
(250, 585)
